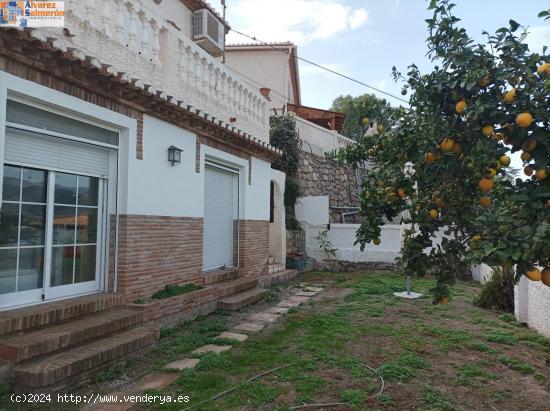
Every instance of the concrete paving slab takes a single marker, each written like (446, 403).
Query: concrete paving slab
(233, 336)
(249, 327)
(216, 349)
(183, 364)
(306, 293)
(277, 310)
(299, 299)
(288, 303)
(264, 317)
(155, 381)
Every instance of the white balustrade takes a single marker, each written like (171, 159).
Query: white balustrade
(130, 36)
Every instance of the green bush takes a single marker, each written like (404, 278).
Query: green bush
(498, 292)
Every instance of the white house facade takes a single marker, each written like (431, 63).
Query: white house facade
(130, 159)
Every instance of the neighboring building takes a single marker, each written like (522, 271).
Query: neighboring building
(98, 210)
(272, 67)
(330, 193)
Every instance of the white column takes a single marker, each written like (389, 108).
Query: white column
(155, 29)
(144, 42)
(119, 22)
(132, 29)
(106, 12)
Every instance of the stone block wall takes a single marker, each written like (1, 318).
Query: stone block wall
(319, 176)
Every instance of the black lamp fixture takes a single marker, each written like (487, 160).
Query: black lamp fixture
(174, 155)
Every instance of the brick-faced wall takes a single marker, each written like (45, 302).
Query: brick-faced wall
(254, 247)
(155, 251)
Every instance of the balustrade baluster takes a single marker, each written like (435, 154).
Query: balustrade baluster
(105, 17)
(132, 29)
(155, 29)
(144, 41)
(119, 22)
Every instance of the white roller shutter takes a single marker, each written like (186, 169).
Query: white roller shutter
(219, 211)
(40, 150)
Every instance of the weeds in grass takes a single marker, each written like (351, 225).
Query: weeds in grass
(260, 393)
(517, 365)
(471, 374)
(435, 400)
(110, 374)
(392, 371)
(354, 397)
(501, 337)
(211, 360)
(413, 360)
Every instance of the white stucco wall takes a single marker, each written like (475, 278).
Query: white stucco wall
(532, 305)
(313, 214)
(264, 68)
(313, 210)
(277, 228)
(319, 140)
(155, 187)
(481, 273)
(178, 13)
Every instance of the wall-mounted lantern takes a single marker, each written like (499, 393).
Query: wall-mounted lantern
(174, 155)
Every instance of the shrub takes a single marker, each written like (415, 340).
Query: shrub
(498, 292)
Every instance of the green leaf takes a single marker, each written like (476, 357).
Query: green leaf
(433, 5)
(514, 25)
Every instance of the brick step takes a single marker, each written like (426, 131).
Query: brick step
(276, 278)
(228, 288)
(219, 276)
(24, 346)
(41, 315)
(58, 368)
(238, 301)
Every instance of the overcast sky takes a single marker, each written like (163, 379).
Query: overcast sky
(365, 38)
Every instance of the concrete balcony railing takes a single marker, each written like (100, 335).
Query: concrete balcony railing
(134, 39)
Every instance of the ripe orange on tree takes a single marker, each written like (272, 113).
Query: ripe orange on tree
(430, 158)
(541, 174)
(434, 214)
(485, 201)
(534, 274)
(524, 120)
(510, 96)
(545, 276)
(486, 184)
(528, 170)
(487, 131)
(461, 106)
(525, 156)
(504, 161)
(447, 144)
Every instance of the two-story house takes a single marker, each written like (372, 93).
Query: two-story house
(130, 159)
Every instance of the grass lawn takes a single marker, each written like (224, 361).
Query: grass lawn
(432, 357)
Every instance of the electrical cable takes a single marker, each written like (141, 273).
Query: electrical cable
(297, 407)
(322, 67)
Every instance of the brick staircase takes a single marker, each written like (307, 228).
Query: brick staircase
(234, 292)
(53, 345)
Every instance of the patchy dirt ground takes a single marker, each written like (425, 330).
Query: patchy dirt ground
(432, 357)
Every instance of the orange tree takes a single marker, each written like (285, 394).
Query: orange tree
(444, 169)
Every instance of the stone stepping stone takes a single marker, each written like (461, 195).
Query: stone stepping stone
(277, 310)
(232, 336)
(314, 289)
(155, 381)
(299, 299)
(306, 293)
(288, 303)
(183, 364)
(216, 349)
(264, 317)
(249, 327)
